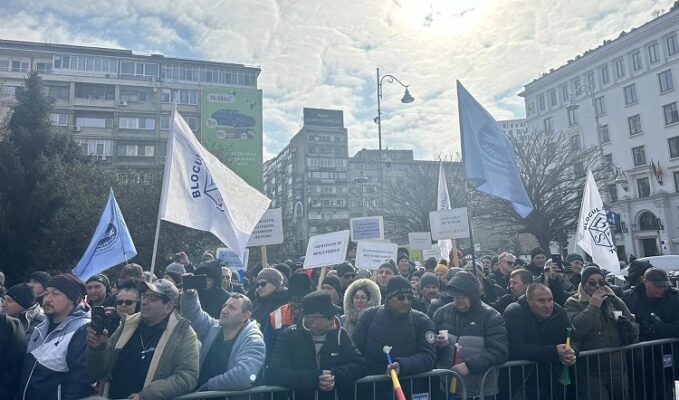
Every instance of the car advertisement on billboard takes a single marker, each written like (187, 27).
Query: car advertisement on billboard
(232, 129)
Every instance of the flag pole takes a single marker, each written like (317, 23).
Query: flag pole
(155, 248)
(469, 221)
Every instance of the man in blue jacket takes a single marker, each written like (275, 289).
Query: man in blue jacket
(54, 365)
(232, 348)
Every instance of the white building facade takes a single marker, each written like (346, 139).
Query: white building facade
(623, 97)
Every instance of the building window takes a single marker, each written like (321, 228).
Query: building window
(95, 147)
(639, 156)
(605, 78)
(600, 105)
(137, 123)
(671, 114)
(131, 94)
(131, 68)
(636, 61)
(577, 84)
(59, 119)
(541, 102)
(59, 92)
(575, 143)
(620, 68)
(564, 93)
(552, 97)
(634, 124)
(676, 181)
(672, 45)
(43, 67)
(183, 96)
(643, 187)
(630, 94)
(548, 124)
(85, 64)
(590, 81)
(653, 55)
(94, 120)
(604, 136)
(572, 116)
(19, 66)
(613, 192)
(674, 146)
(608, 159)
(665, 81)
(94, 91)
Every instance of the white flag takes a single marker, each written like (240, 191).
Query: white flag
(202, 193)
(594, 234)
(443, 203)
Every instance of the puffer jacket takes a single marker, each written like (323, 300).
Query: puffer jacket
(666, 309)
(482, 338)
(54, 364)
(350, 317)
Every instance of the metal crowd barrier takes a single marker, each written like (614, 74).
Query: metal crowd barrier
(435, 383)
(641, 371)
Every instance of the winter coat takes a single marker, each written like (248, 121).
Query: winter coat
(247, 354)
(212, 300)
(54, 364)
(31, 318)
(174, 365)
(504, 302)
(561, 287)
(492, 292)
(12, 349)
(295, 365)
(536, 340)
(438, 303)
(482, 338)
(411, 337)
(499, 279)
(350, 318)
(665, 308)
(534, 269)
(263, 306)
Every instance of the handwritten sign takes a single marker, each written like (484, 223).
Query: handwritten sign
(370, 255)
(326, 249)
(419, 240)
(433, 251)
(366, 228)
(269, 229)
(449, 224)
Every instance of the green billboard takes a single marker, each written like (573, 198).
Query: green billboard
(231, 128)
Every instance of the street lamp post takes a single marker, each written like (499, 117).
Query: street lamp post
(407, 98)
(361, 180)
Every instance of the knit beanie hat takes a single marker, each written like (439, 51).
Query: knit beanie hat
(101, 278)
(464, 283)
(441, 269)
(398, 285)
(177, 268)
(345, 268)
(333, 281)
(429, 279)
(299, 285)
(22, 294)
(536, 251)
(41, 276)
(271, 275)
(430, 263)
(211, 268)
(574, 256)
(70, 285)
(589, 271)
(284, 269)
(176, 278)
(391, 265)
(401, 256)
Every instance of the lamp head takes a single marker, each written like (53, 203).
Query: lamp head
(407, 98)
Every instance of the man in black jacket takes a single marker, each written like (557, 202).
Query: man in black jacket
(537, 329)
(410, 334)
(317, 356)
(519, 280)
(12, 348)
(538, 259)
(213, 296)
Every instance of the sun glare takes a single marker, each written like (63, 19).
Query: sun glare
(443, 16)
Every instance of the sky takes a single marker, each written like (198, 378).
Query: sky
(324, 54)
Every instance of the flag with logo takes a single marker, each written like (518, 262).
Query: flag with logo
(594, 232)
(489, 160)
(443, 203)
(202, 193)
(110, 245)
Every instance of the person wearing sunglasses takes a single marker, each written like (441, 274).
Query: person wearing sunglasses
(601, 320)
(347, 274)
(506, 263)
(409, 332)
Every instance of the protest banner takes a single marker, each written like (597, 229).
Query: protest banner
(433, 251)
(372, 254)
(366, 228)
(269, 229)
(419, 240)
(231, 259)
(449, 224)
(326, 249)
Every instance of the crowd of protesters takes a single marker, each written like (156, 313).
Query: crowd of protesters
(206, 327)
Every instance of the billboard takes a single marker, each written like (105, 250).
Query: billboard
(231, 128)
(324, 118)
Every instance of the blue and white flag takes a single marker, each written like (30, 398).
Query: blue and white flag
(489, 160)
(111, 243)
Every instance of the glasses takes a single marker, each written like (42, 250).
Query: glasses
(261, 284)
(403, 297)
(125, 302)
(150, 297)
(596, 283)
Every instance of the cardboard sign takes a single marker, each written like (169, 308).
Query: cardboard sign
(366, 228)
(449, 224)
(269, 229)
(327, 249)
(230, 258)
(419, 240)
(370, 255)
(433, 251)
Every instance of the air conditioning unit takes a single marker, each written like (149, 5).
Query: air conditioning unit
(122, 102)
(76, 129)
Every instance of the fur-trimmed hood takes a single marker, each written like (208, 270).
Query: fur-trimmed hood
(350, 313)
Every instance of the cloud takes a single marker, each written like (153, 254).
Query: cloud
(324, 54)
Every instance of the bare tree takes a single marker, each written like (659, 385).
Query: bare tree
(553, 173)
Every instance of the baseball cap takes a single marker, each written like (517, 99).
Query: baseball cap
(657, 276)
(161, 287)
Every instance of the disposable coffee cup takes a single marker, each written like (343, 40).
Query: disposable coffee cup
(617, 314)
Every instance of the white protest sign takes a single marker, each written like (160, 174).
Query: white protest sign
(433, 251)
(269, 229)
(419, 240)
(370, 255)
(230, 258)
(366, 228)
(449, 224)
(327, 249)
